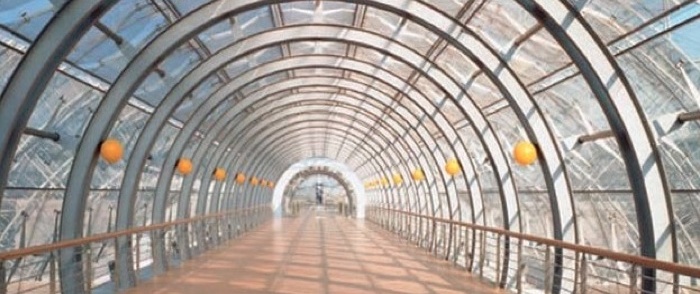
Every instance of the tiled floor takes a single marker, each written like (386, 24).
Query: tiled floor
(315, 253)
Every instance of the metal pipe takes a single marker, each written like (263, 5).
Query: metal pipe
(689, 116)
(42, 134)
(596, 136)
(107, 31)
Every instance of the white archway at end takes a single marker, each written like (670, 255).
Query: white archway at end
(332, 165)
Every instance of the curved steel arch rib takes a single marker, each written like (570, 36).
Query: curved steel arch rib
(653, 175)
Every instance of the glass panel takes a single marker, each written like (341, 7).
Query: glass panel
(158, 154)
(28, 17)
(537, 56)
(65, 110)
(8, 61)
(187, 6)
(203, 91)
(607, 220)
(134, 22)
(237, 27)
(687, 215)
(500, 23)
(167, 74)
(613, 18)
(318, 47)
(318, 12)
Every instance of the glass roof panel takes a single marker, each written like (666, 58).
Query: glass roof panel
(159, 82)
(339, 13)
(187, 6)
(537, 56)
(28, 17)
(133, 23)
(457, 65)
(66, 111)
(318, 47)
(380, 21)
(247, 62)
(687, 213)
(614, 18)
(238, 27)
(415, 36)
(152, 169)
(198, 95)
(8, 61)
(508, 16)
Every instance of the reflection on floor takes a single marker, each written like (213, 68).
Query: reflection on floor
(315, 253)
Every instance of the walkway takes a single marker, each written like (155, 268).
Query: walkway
(315, 253)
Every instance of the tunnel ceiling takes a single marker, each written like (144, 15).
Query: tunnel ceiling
(606, 90)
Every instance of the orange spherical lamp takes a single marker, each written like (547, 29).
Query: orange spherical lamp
(398, 179)
(263, 183)
(452, 167)
(111, 150)
(525, 153)
(254, 181)
(418, 175)
(219, 174)
(240, 178)
(270, 184)
(184, 166)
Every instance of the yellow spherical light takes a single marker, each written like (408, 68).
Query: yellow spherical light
(452, 167)
(385, 182)
(525, 153)
(240, 178)
(184, 166)
(111, 150)
(219, 174)
(398, 179)
(418, 175)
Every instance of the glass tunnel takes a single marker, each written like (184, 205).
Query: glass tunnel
(543, 146)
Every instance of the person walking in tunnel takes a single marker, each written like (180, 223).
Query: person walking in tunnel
(319, 194)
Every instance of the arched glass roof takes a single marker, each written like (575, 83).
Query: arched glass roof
(606, 90)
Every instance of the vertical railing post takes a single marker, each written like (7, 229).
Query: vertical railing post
(547, 270)
(52, 274)
(482, 256)
(633, 279)
(521, 267)
(87, 248)
(498, 258)
(3, 278)
(53, 283)
(583, 274)
(467, 253)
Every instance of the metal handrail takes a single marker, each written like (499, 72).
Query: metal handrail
(45, 248)
(675, 268)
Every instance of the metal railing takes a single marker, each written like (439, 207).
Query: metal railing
(534, 263)
(35, 269)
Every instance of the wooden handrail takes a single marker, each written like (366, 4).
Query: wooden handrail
(684, 270)
(44, 248)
